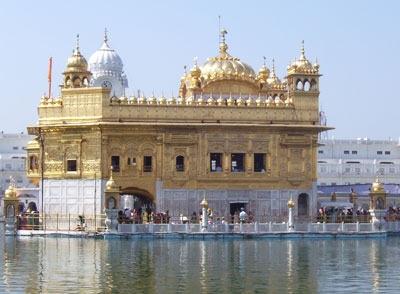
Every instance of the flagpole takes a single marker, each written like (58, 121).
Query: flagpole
(49, 75)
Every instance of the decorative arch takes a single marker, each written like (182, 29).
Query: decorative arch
(313, 85)
(303, 202)
(306, 86)
(299, 85)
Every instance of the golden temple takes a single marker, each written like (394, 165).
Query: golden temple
(242, 138)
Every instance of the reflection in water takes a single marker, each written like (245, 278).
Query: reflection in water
(75, 265)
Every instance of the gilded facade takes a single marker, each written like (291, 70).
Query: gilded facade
(241, 138)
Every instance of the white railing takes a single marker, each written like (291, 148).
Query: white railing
(256, 228)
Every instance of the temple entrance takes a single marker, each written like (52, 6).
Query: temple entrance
(139, 202)
(303, 205)
(235, 207)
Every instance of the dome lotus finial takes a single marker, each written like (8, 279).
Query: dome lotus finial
(105, 35)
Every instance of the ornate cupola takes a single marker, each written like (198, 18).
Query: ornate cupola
(273, 80)
(377, 195)
(107, 69)
(302, 75)
(76, 75)
(263, 74)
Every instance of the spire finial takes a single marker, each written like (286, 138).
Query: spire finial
(265, 58)
(273, 67)
(105, 35)
(111, 172)
(11, 182)
(302, 50)
(223, 45)
(185, 71)
(77, 42)
(195, 60)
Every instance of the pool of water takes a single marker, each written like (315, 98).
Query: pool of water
(87, 265)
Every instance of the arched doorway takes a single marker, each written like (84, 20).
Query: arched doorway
(303, 204)
(135, 198)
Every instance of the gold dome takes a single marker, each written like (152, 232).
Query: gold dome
(225, 65)
(204, 202)
(195, 72)
(303, 64)
(377, 186)
(290, 203)
(123, 99)
(153, 99)
(163, 100)
(133, 99)
(10, 192)
(111, 185)
(273, 79)
(33, 144)
(263, 73)
(77, 61)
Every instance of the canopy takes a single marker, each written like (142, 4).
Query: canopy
(336, 204)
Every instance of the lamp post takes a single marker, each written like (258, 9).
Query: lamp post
(204, 220)
(291, 204)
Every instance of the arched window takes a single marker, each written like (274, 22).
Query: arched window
(380, 203)
(299, 85)
(306, 86)
(111, 204)
(313, 85)
(180, 164)
(33, 163)
(303, 204)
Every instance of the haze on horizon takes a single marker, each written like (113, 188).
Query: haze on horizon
(356, 43)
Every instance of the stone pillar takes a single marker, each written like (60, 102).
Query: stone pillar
(10, 209)
(111, 220)
(377, 204)
(111, 204)
(204, 222)
(291, 218)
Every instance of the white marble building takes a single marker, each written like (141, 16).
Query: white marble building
(349, 162)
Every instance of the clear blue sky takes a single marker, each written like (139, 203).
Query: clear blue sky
(356, 42)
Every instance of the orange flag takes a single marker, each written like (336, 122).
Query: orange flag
(51, 62)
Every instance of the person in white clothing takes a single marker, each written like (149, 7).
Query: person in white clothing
(243, 216)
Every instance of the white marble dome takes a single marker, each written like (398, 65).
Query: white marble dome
(106, 66)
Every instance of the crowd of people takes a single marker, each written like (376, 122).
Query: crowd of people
(145, 216)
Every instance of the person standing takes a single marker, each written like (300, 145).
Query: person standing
(243, 216)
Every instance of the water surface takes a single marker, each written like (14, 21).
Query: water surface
(86, 265)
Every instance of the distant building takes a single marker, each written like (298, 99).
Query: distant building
(350, 162)
(12, 161)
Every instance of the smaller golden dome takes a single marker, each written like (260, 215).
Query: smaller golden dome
(33, 144)
(278, 101)
(291, 203)
(221, 101)
(377, 186)
(250, 101)
(133, 99)
(270, 101)
(10, 192)
(204, 202)
(172, 100)
(263, 73)
(43, 99)
(230, 101)
(190, 100)
(273, 79)
(153, 100)
(111, 185)
(181, 100)
(201, 101)
(195, 72)
(114, 99)
(77, 61)
(143, 99)
(259, 101)
(303, 64)
(211, 100)
(123, 99)
(316, 65)
(162, 100)
(240, 101)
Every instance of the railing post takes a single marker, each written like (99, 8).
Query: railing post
(357, 226)
(69, 221)
(270, 227)
(57, 223)
(342, 226)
